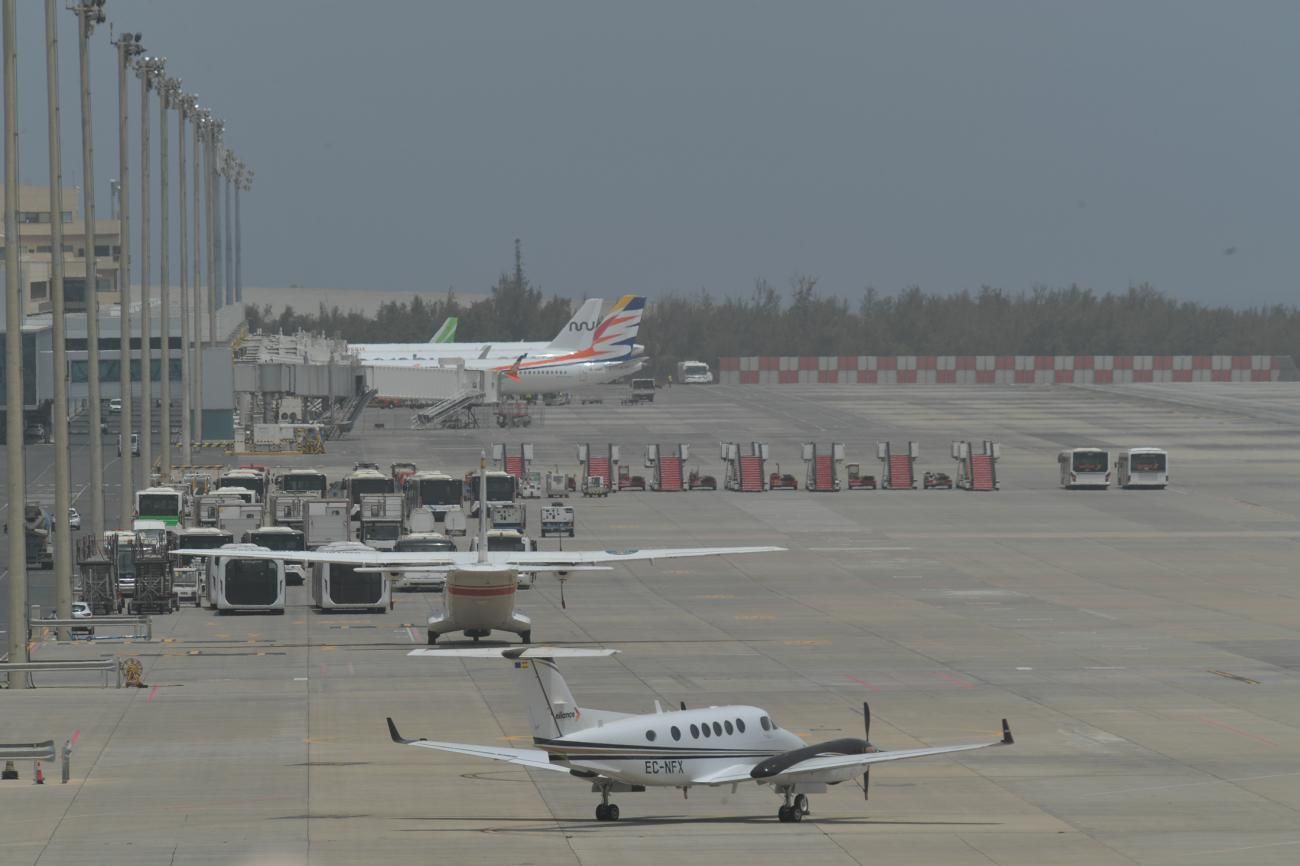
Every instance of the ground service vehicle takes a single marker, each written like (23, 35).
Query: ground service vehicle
(421, 578)
(326, 521)
(363, 481)
(248, 585)
(1084, 468)
(436, 491)
(558, 520)
(508, 516)
(303, 481)
(282, 538)
(81, 610)
(381, 520)
(501, 489)
(200, 538)
(246, 479)
(694, 373)
(238, 518)
(339, 586)
(643, 390)
(158, 503)
(1142, 467)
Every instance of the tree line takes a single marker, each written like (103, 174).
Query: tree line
(1044, 321)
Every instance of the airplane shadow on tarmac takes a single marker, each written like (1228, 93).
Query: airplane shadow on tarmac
(590, 825)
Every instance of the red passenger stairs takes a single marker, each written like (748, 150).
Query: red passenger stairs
(824, 473)
(670, 473)
(515, 465)
(599, 466)
(900, 472)
(981, 472)
(751, 474)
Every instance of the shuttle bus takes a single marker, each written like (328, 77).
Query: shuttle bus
(1142, 467)
(362, 481)
(251, 585)
(421, 542)
(502, 489)
(158, 503)
(282, 538)
(436, 491)
(247, 479)
(303, 481)
(1084, 468)
(338, 586)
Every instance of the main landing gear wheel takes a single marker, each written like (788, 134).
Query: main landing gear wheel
(607, 812)
(526, 637)
(789, 814)
(801, 804)
(433, 638)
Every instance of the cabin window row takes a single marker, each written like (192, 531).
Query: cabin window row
(714, 729)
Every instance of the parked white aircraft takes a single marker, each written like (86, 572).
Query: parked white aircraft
(479, 595)
(575, 334)
(608, 353)
(710, 746)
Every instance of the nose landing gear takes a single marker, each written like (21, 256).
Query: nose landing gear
(606, 811)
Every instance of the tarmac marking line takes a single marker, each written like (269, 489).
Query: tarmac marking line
(956, 681)
(152, 692)
(1247, 680)
(1247, 734)
(871, 687)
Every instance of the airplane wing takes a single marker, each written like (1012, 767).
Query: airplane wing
(534, 759)
(559, 558)
(516, 652)
(540, 560)
(807, 770)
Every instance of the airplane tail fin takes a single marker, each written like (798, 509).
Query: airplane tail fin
(615, 336)
(446, 333)
(552, 710)
(576, 333)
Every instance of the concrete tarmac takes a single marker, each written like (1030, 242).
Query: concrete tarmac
(1143, 644)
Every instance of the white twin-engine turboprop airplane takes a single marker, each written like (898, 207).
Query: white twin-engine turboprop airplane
(479, 595)
(709, 746)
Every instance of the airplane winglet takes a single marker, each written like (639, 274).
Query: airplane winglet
(1007, 739)
(397, 738)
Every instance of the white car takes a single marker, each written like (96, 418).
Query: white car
(74, 519)
(115, 406)
(81, 610)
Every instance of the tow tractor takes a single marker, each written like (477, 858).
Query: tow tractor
(779, 480)
(936, 481)
(699, 481)
(857, 480)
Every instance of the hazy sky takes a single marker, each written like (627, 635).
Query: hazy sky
(673, 146)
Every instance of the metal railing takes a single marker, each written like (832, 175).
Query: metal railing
(35, 752)
(97, 622)
(106, 665)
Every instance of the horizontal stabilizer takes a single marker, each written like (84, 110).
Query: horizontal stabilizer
(516, 652)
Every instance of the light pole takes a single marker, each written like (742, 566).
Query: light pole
(128, 46)
(245, 184)
(148, 70)
(89, 13)
(199, 120)
(213, 142)
(59, 336)
(168, 90)
(228, 166)
(17, 482)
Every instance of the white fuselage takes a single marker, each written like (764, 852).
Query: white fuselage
(621, 750)
(480, 599)
(386, 353)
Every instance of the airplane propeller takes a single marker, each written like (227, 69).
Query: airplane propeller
(866, 733)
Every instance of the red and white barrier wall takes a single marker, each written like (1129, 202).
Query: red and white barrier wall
(1002, 369)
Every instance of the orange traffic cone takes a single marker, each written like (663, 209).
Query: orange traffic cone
(39, 778)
